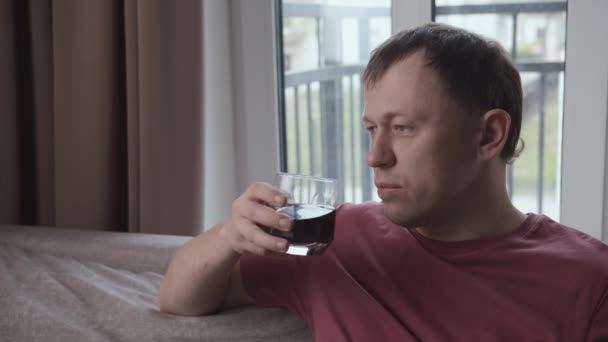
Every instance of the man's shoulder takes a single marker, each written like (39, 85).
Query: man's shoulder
(572, 246)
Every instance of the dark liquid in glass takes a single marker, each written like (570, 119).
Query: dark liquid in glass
(313, 225)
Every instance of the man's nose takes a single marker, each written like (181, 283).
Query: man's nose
(380, 152)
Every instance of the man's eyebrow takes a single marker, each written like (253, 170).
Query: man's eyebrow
(384, 117)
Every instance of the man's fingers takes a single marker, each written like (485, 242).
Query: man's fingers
(267, 193)
(265, 216)
(258, 237)
(249, 247)
(270, 218)
(252, 210)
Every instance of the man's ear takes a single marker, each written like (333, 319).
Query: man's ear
(494, 126)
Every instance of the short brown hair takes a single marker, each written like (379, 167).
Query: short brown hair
(477, 73)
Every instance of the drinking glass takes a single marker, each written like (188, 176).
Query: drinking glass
(312, 205)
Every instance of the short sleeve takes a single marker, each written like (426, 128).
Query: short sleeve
(276, 281)
(598, 328)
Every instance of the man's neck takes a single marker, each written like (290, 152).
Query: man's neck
(481, 214)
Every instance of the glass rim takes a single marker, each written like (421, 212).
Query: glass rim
(294, 175)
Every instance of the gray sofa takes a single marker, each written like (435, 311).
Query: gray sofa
(72, 285)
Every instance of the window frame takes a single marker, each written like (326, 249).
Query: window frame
(254, 59)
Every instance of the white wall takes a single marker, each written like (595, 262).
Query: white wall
(584, 200)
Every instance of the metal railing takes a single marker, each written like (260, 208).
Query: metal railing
(337, 84)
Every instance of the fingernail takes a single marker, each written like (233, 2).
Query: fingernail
(284, 222)
(282, 246)
(278, 200)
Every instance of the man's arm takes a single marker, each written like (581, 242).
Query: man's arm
(204, 275)
(196, 284)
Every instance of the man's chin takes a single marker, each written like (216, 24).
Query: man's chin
(400, 216)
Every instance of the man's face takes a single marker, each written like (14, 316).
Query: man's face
(423, 148)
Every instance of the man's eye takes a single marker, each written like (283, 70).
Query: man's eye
(370, 130)
(401, 128)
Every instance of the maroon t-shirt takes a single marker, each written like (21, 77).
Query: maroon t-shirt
(379, 281)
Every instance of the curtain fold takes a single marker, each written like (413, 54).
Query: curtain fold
(101, 118)
(165, 99)
(10, 197)
(88, 114)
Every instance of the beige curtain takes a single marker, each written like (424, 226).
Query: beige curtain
(101, 114)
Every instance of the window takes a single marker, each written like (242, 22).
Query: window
(326, 44)
(325, 47)
(579, 172)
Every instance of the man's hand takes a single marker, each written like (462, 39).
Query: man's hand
(252, 210)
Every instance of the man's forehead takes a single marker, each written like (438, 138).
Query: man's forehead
(410, 87)
(414, 66)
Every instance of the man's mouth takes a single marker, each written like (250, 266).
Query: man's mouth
(384, 185)
(385, 190)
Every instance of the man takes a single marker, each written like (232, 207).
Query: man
(445, 256)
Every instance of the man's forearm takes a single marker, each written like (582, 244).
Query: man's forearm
(198, 277)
